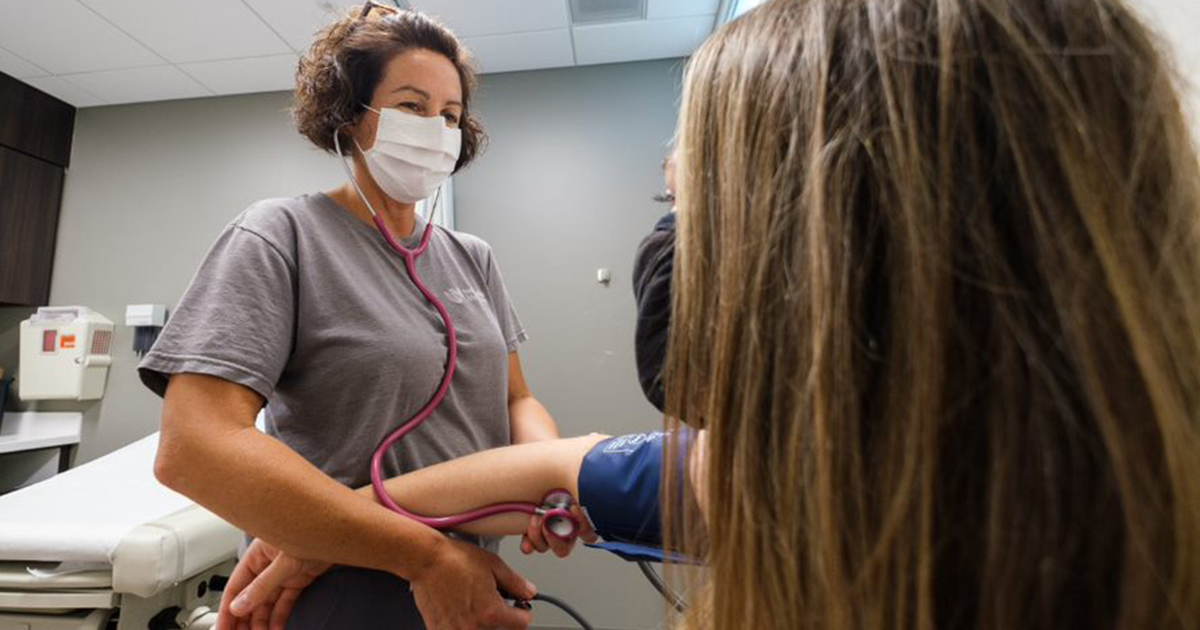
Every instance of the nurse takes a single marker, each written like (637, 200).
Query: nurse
(300, 306)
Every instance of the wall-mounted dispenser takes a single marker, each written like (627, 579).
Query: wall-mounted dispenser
(65, 354)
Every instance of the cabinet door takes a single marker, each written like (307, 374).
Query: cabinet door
(30, 191)
(34, 122)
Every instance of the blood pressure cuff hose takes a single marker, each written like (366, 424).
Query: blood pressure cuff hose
(620, 481)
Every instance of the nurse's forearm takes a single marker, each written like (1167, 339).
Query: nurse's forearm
(522, 472)
(211, 452)
(530, 421)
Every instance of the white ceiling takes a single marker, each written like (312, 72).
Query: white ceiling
(105, 52)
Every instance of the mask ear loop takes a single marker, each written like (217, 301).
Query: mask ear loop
(337, 145)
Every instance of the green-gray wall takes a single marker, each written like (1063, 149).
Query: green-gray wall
(564, 190)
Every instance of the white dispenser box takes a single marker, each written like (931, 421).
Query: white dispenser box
(65, 354)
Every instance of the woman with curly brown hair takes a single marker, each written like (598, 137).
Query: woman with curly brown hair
(302, 307)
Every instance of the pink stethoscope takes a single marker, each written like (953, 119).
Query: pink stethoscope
(555, 506)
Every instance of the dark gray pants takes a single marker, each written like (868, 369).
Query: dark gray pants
(356, 599)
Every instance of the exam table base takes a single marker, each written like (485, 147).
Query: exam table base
(189, 604)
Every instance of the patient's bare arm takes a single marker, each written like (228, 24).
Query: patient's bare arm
(521, 472)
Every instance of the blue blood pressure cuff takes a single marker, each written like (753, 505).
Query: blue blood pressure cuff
(619, 485)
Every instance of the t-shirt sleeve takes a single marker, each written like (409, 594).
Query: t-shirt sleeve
(236, 320)
(506, 313)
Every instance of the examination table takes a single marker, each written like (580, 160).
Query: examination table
(106, 546)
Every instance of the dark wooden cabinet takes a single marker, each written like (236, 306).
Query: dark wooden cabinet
(35, 149)
(35, 123)
(30, 192)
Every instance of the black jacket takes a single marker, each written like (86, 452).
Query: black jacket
(652, 289)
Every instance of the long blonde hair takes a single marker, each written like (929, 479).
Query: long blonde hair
(937, 303)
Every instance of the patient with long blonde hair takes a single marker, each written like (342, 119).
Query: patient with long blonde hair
(936, 306)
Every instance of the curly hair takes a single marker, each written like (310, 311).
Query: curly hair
(346, 61)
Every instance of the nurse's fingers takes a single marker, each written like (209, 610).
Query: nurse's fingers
(283, 608)
(266, 586)
(262, 615)
(561, 548)
(510, 618)
(509, 581)
(585, 525)
(243, 574)
(225, 619)
(535, 536)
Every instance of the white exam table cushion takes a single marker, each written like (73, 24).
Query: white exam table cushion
(112, 510)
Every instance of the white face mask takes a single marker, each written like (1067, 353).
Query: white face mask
(412, 155)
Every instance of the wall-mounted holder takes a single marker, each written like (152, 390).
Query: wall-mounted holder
(147, 321)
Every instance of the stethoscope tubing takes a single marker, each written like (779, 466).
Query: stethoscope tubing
(549, 512)
(442, 522)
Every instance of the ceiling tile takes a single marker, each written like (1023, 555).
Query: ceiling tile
(213, 29)
(635, 41)
(65, 91)
(298, 20)
(493, 17)
(64, 36)
(662, 9)
(522, 51)
(158, 83)
(15, 66)
(240, 76)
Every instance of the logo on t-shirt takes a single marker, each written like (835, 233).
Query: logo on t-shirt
(467, 294)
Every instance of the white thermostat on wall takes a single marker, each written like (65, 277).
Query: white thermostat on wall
(65, 354)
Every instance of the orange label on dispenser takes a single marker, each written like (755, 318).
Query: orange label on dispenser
(68, 342)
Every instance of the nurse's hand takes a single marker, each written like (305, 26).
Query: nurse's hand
(460, 589)
(264, 588)
(536, 538)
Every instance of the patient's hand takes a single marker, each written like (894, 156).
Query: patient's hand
(264, 588)
(535, 537)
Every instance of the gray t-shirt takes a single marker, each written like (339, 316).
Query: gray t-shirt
(308, 306)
